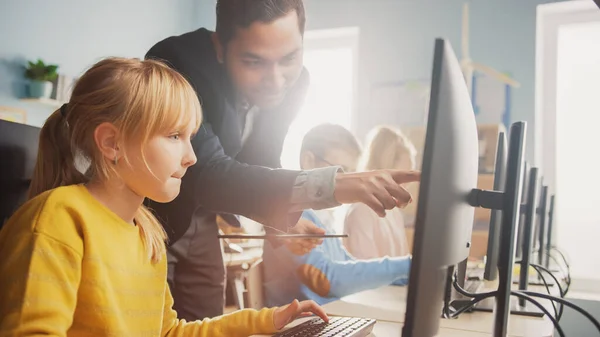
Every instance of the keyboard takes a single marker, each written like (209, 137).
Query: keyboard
(337, 327)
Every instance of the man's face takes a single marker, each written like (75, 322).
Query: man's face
(265, 60)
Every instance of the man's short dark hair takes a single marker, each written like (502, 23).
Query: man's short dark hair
(234, 14)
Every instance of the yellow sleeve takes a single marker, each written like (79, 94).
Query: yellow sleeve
(38, 287)
(241, 323)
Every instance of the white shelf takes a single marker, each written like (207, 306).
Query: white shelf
(45, 101)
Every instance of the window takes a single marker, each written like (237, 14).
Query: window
(330, 56)
(567, 120)
(577, 161)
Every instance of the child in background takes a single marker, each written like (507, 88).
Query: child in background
(330, 145)
(327, 272)
(83, 256)
(371, 236)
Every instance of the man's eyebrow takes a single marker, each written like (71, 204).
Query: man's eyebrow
(251, 55)
(294, 52)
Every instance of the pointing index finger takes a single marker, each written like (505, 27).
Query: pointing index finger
(402, 177)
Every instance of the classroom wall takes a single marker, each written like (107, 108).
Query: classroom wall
(397, 40)
(75, 34)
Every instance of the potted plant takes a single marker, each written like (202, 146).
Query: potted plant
(41, 76)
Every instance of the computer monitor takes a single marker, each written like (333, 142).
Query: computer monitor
(549, 231)
(540, 231)
(511, 210)
(491, 272)
(528, 230)
(18, 150)
(524, 194)
(444, 217)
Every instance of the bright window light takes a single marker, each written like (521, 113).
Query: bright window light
(577, 163)
(330, 95)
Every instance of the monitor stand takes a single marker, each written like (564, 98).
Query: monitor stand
(488, 304)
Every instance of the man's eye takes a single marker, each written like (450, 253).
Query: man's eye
(252, 63)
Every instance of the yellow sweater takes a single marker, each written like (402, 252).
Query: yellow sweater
(71, 267)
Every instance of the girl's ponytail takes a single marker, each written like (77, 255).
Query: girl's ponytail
(55, 165)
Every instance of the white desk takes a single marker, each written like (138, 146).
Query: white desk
(388, 304)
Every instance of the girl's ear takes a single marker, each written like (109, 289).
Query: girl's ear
(106, 137)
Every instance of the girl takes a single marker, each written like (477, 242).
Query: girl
(371, 236)
(83, 256)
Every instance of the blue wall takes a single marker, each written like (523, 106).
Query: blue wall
(75, 34)
(396, 41)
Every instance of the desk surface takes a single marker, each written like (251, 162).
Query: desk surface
(388, 304)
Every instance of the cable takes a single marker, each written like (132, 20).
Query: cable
(474, 301)
(553, 247)
(567, 303)
(541, 307)
(448, 311)
(475, 296)
(565, 273)
(557, 315)
(560, 290)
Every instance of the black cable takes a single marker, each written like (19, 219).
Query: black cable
(541, 307)
(560, 290)
(564, 272)
(475, 296)
(567, 303)
(556, 315)
(561, 255)
(471, 305)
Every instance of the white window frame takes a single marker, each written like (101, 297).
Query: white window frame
(550, 17)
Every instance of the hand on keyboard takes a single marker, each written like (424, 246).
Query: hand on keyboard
(285, 315)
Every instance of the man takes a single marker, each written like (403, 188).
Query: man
(251, 83)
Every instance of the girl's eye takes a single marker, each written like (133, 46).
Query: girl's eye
(174, 136)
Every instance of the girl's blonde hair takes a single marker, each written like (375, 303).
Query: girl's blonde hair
(387, 148)
(141, 98)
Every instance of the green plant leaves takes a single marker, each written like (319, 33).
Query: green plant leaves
(39, 71)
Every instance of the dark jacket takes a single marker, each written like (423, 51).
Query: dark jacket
(228, 177)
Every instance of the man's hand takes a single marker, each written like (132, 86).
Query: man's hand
(304, 246)
(379, 190)
(287, 314)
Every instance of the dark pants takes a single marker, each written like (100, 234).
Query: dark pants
(196, 273)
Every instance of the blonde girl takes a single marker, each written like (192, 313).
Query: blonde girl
(84, 257)
(371, 236)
